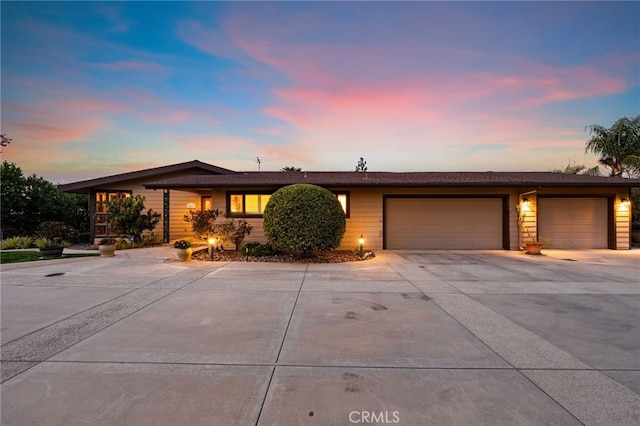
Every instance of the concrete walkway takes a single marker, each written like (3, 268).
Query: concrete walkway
(411, 338)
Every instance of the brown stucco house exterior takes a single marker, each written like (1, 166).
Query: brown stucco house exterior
(399, 211)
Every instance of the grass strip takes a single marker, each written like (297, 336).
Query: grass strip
(30, 256)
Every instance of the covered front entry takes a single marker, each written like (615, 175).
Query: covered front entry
(573, 222)
(424, 223)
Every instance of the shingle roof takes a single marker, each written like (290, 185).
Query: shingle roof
(193, 166)
(391, 179)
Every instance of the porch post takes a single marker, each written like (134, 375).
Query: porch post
(165, 216)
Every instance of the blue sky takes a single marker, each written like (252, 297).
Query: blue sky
(96, 88)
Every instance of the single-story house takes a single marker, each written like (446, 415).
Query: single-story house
(416, 210)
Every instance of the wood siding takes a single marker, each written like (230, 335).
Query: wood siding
(367, 205)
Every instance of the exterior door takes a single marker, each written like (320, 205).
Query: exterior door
(443, 223)
(573, 223)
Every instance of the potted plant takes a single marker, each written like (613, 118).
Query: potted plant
(534, 245)
(50, 248)
(184, 250)
(107, 247)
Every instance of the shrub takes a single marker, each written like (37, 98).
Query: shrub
(57, 229)
(302, 218)
(84, 237)
(46, 242)
(107, 241)
(16, 243)
(150, 239)
(124, 243)
(257, 249)
(203, 222)
(234, 231)
(126, 215)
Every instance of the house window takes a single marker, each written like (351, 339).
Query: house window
(343, 198)
(252, 205)
(101, 228)
(247, 204)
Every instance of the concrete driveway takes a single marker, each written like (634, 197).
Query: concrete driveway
(410, 338)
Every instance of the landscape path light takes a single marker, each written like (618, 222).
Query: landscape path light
(211, 241)
(361, 241)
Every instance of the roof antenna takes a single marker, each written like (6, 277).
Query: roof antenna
(259, 162)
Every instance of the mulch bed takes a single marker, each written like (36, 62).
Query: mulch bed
(330, 256)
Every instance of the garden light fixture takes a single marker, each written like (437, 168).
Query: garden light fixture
(211, 241)
(361, 241)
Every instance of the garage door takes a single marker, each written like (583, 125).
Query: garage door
(443, 223)
(578, 223)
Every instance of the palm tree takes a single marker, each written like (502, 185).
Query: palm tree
(618, 146)
(578, 169)
(291, 169)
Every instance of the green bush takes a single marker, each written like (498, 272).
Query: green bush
(257, 250)
(84, 237)
(302, 218)
(203, 222)
(16, 243)
(27, 201)
(234, 230)
(57, 229)
(124, 244)
(126, 215)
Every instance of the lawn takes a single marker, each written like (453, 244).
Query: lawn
(28, 256)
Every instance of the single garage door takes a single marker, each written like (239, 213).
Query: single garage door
(573, 223)
(443, 223)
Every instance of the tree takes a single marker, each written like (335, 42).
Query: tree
(4, 140)
(29, 201)
(291, 169)
(578, 169)
(125, 214)
(302, 218)
(361, 166)
(618, 146)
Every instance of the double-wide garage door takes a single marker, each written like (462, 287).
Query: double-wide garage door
(443, 223)
(573, 223)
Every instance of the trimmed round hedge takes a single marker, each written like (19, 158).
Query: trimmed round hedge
(302, 218)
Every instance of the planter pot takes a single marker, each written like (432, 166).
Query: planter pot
(49, 252)
(184, 254)
(107, 250)
(533, 248)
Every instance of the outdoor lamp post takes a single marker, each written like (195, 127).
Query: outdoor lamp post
(361, 241)
(211, 241)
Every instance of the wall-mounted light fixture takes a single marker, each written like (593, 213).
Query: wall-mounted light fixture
(624, 205)
(211, 242)
(524, 205)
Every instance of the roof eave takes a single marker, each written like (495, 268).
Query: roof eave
(84, 185)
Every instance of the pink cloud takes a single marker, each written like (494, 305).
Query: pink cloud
(269, 132)
(57, 121)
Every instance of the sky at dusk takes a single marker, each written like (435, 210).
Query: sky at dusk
(96, 88)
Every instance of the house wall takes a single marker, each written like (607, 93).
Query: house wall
(622, 221)
(366, 211)
(154, 200)
(620, 213)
